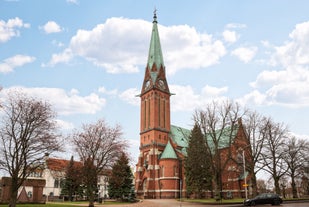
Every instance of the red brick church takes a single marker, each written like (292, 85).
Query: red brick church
(160, 167)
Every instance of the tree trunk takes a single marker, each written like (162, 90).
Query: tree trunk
(13, 198)
(254, 185)
(91, 196)
(218, 186)
(13, 202)
(91, 201)
(277, 185)
(14, 192)
(294, 190)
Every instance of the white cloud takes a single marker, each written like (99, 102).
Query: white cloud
(72, 1)
(288, 83)
(108, 92)
(186, 99)
(57, 43)
(230, 36)
(235, 26)
(51, 27)
(121, 45)
(213, 92)
(129, 96)
(9, 29)
(64, 57)
(295, 51)
(185, 48)
(245, 54)
(9, 64)
(292, 94)
(288, 87)
(65, 103)
(65, 125)
(115, 46)
(253, 98)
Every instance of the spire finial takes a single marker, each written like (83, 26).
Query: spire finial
(155, 15)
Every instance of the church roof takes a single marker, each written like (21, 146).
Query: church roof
(60, 164)
(155, 53)
(180, 136)
(169, 152)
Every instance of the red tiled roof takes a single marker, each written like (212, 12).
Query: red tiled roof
(59, 164)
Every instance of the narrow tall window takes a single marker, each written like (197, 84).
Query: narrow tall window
(159, 110)
(145, 105)
(164, 125)
(149, 114)
(162, 171)
(175, 171)
(56, 183)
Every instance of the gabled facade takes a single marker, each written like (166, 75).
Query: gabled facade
(160, 168)
(53, 172)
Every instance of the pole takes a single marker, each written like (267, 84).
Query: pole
(180, 190)
(245, 179)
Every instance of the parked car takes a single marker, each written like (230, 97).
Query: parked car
(264, 198)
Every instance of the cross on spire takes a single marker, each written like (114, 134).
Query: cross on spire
(155, 15)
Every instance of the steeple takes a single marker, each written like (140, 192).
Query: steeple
(155, 127)
(155, 53)
(155, 69)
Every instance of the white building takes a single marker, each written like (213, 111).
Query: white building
(53, 170)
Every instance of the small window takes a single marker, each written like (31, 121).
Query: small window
(56, 183)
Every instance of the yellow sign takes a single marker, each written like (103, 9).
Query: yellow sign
(245, 185)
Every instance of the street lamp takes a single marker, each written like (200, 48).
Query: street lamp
(245, 178)
(180, 191)
(244, 168)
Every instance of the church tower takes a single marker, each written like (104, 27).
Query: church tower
(155, 128)
(155, 95)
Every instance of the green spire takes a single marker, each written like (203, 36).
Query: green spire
(155, 53)
(169, 152)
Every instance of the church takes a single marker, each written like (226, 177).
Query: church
(159, 171)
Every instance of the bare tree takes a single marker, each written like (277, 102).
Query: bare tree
(261, 186)
(214, 120)
(304, 185)
(98, 146)
(28, 132)
(254, 123)
(273, 152)
(295, 158)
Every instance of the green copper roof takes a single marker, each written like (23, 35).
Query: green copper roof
(155, 53)
(169, 152)
(181, 135)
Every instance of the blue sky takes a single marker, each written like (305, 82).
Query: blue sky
(87, 58)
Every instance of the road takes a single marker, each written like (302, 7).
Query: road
(174, 203)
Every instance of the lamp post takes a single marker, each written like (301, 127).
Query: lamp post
(245, 179)
(245, 185)
(180, 191)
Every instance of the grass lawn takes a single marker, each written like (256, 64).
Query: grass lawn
(63, 204)
(45, 205)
